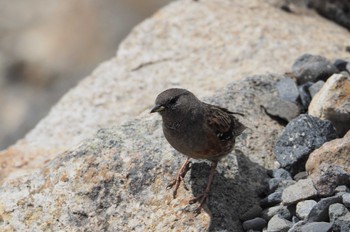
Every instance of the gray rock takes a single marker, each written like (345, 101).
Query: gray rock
(278, 224)
(301, 190)
(273, 184)
(339, 215)
(304, 207)
(299, 138)
(346, 199)
(314, 88)
(297, 226)
(312, 68)
(342, 188)
(278, 209)
(282, 174)
(300, 176)
(287, 89)
(278, 107)
(254, 224)
(116, 180)
(320, 211)
(336, 211)
(271, 199)
(253, 212)
(335, 10)
(317, 227)
(305, 95)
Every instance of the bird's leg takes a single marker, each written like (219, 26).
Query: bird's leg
(202, 197)
(180, 176)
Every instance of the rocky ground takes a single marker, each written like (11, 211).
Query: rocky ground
(288, 172)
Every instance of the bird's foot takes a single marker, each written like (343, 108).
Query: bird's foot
(180, 178)
(201, 199)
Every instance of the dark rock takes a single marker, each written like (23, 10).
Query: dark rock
(346, 199)
(305, 95)
(300, 176)
(312, 68)
(329, 177)
(273, 184)
(277, 223)
(335, 10)
(301, 190)
(287, 89)
(314, 88)
(317, 226)
(281, 210)
(341, 64)
(253, 212)
(278, 107)
(272, 199)
(320, 211)
(282, 174)
(254, 224)
(299, 138)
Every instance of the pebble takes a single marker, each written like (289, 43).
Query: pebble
(277, 223)
(317, 227)
(253, 212)
(271, 199)
(304, 207)
(300, 176)
(278, 209)
(254, 224)
(320, 211)
(301, 190)
(312, 68)
(314, 88)
(346, 199)
(287, 89)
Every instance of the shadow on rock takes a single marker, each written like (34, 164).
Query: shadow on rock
(235, 188)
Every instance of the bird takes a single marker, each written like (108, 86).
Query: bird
(198, 130)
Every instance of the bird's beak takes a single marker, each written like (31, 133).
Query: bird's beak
(157, 108)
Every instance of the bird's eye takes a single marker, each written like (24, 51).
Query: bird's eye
(173, 100)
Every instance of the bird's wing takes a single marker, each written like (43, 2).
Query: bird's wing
(222, 122)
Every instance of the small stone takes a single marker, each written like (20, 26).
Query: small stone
(342, 188)
(271, 199)
(329, 176)
(336, 211)
(317, 227)
(282, 174)
(278, 209)
(254, 224)
(320, 211)
(304, 93)
(287, 89)
(297, 226)
(332, 103)
(273, 184)
(301, 190)
(278, 107)
(299, 138)
(304, 207)
(253, 212)
(277, 223)
(312, 68)
(300, 176)
(314, 88)
(346, 199)
(340, 64)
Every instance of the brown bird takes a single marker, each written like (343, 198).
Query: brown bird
(197, 130)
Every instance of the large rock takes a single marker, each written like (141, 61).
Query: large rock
(116, 180)
(200, 45)
(329, 166)
(299, 138)
(332, 102)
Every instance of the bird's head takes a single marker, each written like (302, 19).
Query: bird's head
(174, 102)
